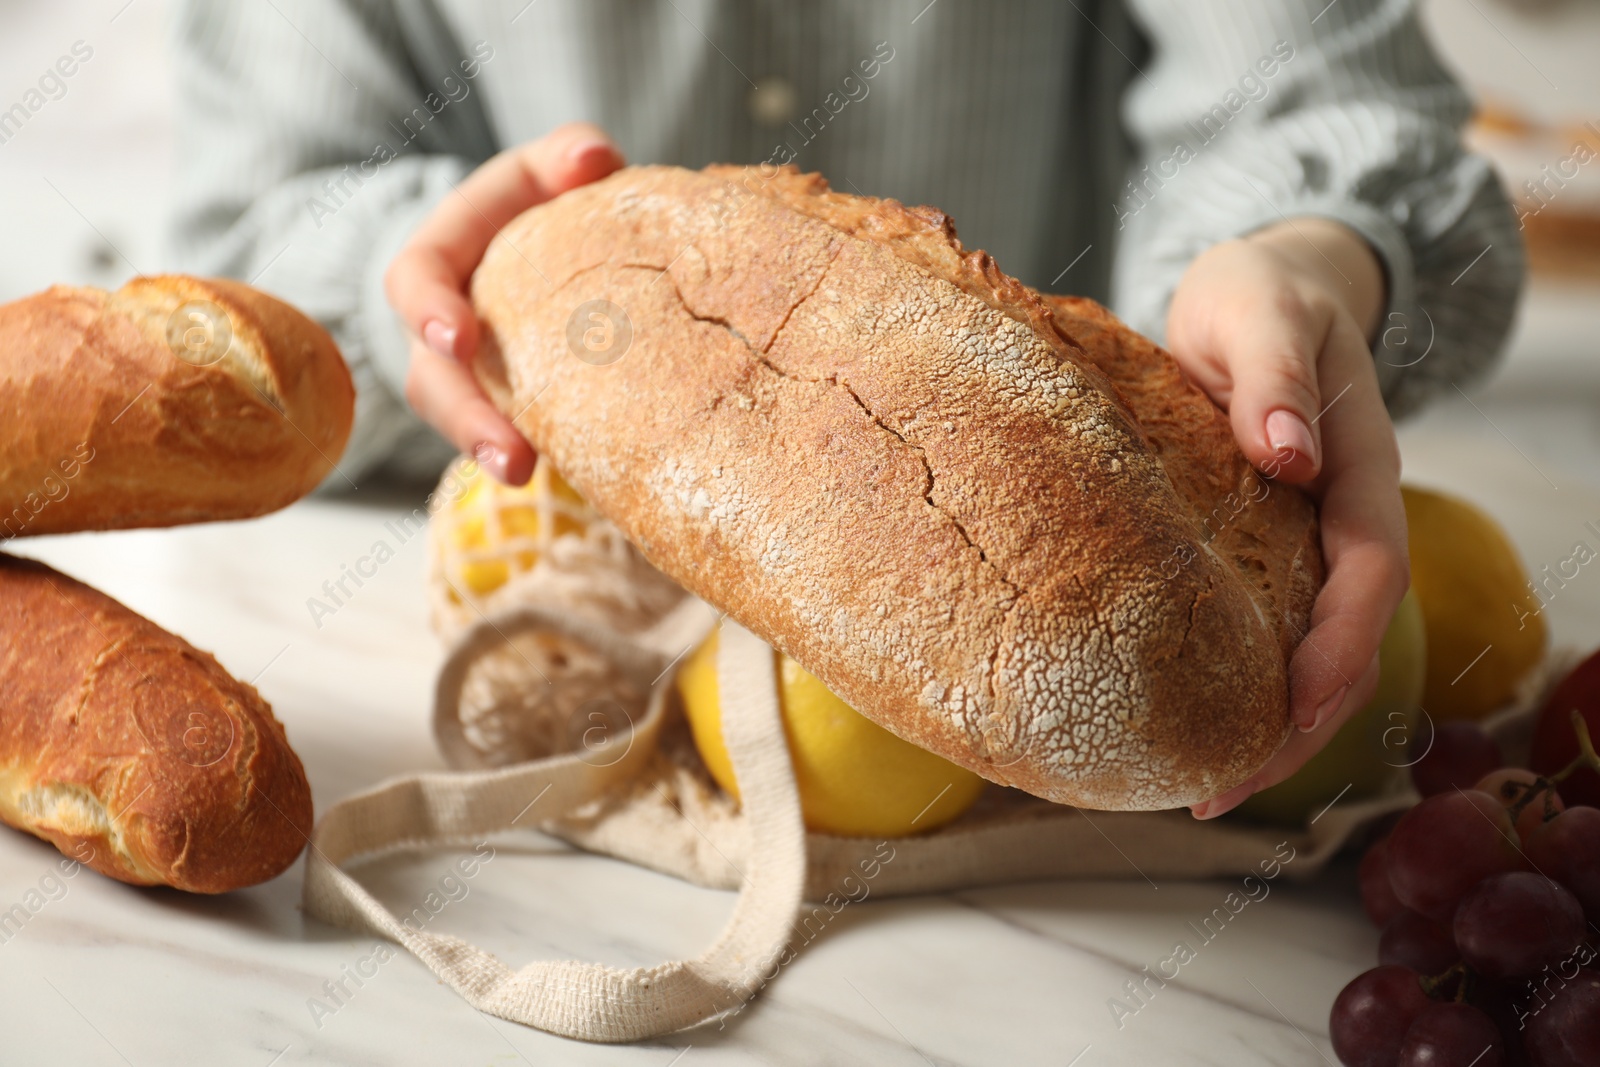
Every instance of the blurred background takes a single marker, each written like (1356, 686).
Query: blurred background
(85, 182)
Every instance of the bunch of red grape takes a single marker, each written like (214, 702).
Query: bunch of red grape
(1488, 895)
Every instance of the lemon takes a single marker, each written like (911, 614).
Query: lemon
(856, 779)
(1484, 630)
(494, 531)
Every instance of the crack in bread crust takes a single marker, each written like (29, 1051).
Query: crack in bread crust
(760, 355)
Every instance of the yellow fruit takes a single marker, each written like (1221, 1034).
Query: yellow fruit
(470, 532)
(519, 520)
(1370, 748)
(485, 576)
(473, 488)
(494, 531)
(856, 779)
(1484, 633)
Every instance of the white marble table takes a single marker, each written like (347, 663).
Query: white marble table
(108, 974)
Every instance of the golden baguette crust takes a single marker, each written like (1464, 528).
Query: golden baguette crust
(110, 428)
(119, 736)
(888, 459)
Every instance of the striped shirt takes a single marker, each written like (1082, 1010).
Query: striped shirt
(1093, 147)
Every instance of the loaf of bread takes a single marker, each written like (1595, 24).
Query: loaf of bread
(171, 400)
(133, 751)
(1003, 526)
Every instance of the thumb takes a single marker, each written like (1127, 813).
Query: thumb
(1275, 404)
(571, 155)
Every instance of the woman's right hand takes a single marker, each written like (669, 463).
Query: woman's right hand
(427, 286)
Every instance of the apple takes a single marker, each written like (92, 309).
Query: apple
(1369, 750)
(1555, 743)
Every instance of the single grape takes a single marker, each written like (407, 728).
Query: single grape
(1377, 895)
(1514, 923)
(1566, 1031)
(1461, 754)
(1555, 741)
(1416, 941)
(1452, 1035)
(1567, 848)
(1510, 785)
(1371, 1015)
(1446, 845)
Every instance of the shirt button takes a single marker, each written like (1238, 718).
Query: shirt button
(772, 101)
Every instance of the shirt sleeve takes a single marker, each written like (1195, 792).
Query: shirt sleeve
(1257, 111)
(312, 139)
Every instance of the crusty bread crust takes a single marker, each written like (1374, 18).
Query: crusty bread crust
(1268, 532)
(133, 751)
(912, 474)
(1239, 512)
(172, 400)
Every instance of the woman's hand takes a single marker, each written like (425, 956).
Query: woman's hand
(427, 286)
(1274, 328)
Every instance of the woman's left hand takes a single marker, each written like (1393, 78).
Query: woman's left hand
(1274, 326)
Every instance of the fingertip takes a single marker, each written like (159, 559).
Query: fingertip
(1292, 441)
(1286, 465)
(454, 338)
(573, 155)
(1278, 444)
(509, 463)
(491, 459)
(424, 292)
(1274, 399)
(594, 158)
(1221, 805)
(1308, 719)
(442, 337)
(519, 465)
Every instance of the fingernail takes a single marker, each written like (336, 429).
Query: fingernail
(1326, 710)
(491, 459)
(440, 338)
(1216, 806)
(586, 149)
(1289, 436)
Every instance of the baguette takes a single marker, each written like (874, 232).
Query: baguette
(123, 743)
(171, 400)
(1002, 526)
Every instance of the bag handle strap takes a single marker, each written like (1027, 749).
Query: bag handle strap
(568, 997)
